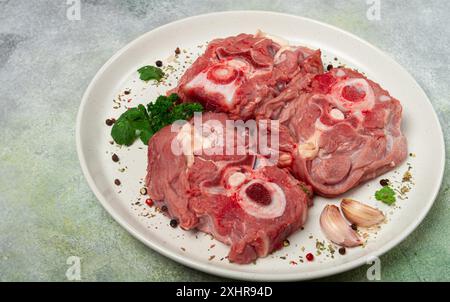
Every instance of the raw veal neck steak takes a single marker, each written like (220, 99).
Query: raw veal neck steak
(347, 130)
(238, 74)
(252, 209)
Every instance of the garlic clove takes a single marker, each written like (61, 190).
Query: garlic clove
(337, 229)
(361, 214)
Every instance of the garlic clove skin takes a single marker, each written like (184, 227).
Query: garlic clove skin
(361, 214)
(337, 229)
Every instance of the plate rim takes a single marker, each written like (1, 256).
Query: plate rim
(224, 272)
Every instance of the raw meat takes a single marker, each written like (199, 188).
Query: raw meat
(235, 198)
(238, 74)
(347, 130)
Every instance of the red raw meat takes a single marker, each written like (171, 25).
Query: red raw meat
(251, 208)
(238, 74)
(336, 130)
(347, 130)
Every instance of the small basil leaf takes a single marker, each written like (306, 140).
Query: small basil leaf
(148, 73)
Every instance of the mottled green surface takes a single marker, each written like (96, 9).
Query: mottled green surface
(47, 211)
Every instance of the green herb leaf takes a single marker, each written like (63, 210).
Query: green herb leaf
(148, 73)
(124, 130)
(143, 122)
(145, 136)
(386, 195)
(165, 110)
(123, 133)
(185, 111)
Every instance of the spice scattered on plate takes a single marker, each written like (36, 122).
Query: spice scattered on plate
(404, 190)
(384, 182)
(110, 121)
(149, 202)
(174, 223)
(309, 257)
(286, 243)
(115, 158)
(354, 227)
(143, 191)
(159, 63)
(117, 182)
(342, 251)
(407, 176)
(329, 67)
(177, 51)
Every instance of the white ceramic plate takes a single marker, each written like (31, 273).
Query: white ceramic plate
(420, 126)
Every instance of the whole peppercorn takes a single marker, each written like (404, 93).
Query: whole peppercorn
(143, 191)
(117, 182)
(115, 158)
(342, 251)
(384, 182)
(159, 63)
(149, 202)
(174, 223)
(110, 121)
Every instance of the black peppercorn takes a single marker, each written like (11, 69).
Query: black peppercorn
(342, 251)
(117, 182)
(110, 122)
(159, 63)
(384, 182)
(164, 208)
(329, 67)
(174, 223)
(354, 227)
(115, 158)
(177, 51)
(143, 191)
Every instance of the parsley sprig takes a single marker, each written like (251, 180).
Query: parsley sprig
(386, 195)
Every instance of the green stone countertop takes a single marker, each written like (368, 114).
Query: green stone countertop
(47, 211)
